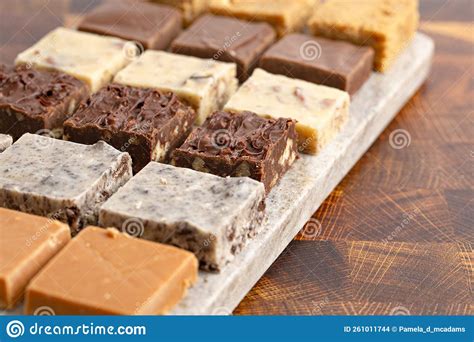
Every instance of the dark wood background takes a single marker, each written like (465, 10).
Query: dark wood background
(397, 234)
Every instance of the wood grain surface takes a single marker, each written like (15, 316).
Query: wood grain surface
(396, 236)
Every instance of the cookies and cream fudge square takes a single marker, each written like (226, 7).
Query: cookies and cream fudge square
(385, 25)
(211, 216)
(191, 9)
(5, 141)
(89, 57)
(106, 272)
(319, 111)
(55, 178)
(205, 84)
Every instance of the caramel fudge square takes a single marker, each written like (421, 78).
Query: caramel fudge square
(211, 216)
(28, 242)
(106, 272)
(146, 123)
(191, 9)
(5, 142)
(205, 84)
(89, 57)
(241, 145)
(319, 111)
(55, 178)
(34, 101)
(385, 25)
(226, 39)
(153, 26)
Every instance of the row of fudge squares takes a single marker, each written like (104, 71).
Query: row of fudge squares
(90, 274)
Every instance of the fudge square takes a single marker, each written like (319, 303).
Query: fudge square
(28, 243)
(205, 84)
(385, 25)
(68, 181)
(241, 145)
(285, 16)
(337, 64)
(211, 216)
(89, 57)
(146, 123)
(226, 39)
(34, 101)
(319, 111)
(5, 142)
(191, 9)
(105, 272)
(153, 26)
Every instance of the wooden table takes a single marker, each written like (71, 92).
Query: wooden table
(397, 234)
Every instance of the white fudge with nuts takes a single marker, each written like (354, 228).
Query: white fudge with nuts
(89, 57)
(320, 111)
(205, 84)
(211, 216)
(60, 179)
(5, 142)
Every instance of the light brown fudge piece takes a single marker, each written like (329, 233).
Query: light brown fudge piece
(285, 16)
(27, 243)
(385, 25)
(191, 8)
(105, 272)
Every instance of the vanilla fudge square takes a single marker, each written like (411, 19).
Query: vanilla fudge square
(319, 111)
(60, 179)
(205, 84)
(5, 142)
(89, 57)
(211, 216)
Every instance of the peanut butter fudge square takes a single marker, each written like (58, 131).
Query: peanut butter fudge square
(5, 142)
(146, 123)
(285, 16)
(105, 272)
(28, 243)
(385, 25)
(337, 64)
(211, 216)
(203, 83)
(319, 111)
(89, 57)
(65, 180)
(153, 26)
(191, 9)
(241, 145)
(226, 39)
(34, 101)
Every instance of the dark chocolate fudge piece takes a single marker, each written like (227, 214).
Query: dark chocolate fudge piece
(146, 123)
(33, 101)
(241, 145)
(153, 26)
(226, 39)
(337, 64)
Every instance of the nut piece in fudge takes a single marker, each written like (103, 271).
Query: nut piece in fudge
(106, 272)
(205, 84)
(153, 26)
(211, 216)
(34, 101)
(5, 142)
(146, 123)
(226, 39)
(55, 178)
(319, 111)
(27, 242)
(385, 25)
(191, 9)
(241, 145)
(89, 57)
(333, 63)
(285, 16)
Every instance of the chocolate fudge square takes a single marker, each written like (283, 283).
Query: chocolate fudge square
(146, 123)
(226, 39)
(60, 179)
(34, 101)
(153, 26)
(336, 64)
(241, 145)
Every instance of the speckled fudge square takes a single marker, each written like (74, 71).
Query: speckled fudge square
(203, 83)
(60, 179)
(89, 57)
(5, 142)
(211, 216)
(191, 9)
